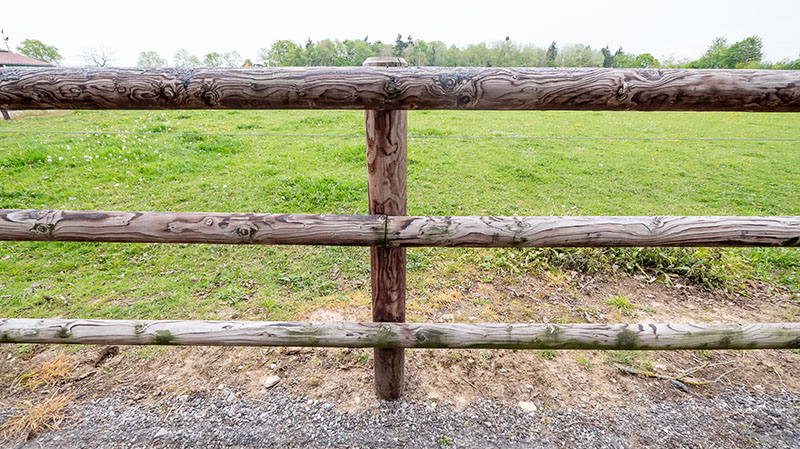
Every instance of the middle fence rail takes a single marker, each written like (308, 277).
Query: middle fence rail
(394, 231)
(385, 88)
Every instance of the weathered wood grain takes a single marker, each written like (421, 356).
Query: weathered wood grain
(597, 231)
(192, 227)
(387, 148)
(396, 231)
(401, 88)
(403, 335)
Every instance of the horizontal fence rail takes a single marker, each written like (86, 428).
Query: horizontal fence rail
(401, 88)
(395, 231)
(403, 335)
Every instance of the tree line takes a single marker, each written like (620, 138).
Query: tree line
(744, 54)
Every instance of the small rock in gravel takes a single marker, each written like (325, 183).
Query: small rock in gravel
(162, 432)
(529, 407)
(273, 366)
(231, 397)
(271, 381)
(680, 386)
(448, 316)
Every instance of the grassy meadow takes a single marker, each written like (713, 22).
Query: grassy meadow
(446, 176)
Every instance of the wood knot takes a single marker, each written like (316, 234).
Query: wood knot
(209, 95)
(209, 221)
(245, 231)
(464, 100)
(167, 93)
(41, 228)
(449, 82)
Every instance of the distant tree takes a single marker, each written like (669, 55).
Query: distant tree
(608, 58)
(744, 52)
(579, 55)
(284, 53)
(400, 45)
(355, 52)
(323, 53)
(98, 56)
(714, 57)
(552, 53)
(37, 49)
(642, 61)
(232, 59)
(505, 53)
(183, 58)
(532, 56)
(151, 59)
(213, 59)
(476, 55)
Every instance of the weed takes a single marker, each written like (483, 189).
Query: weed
(548, 354)
(622, 304)
(584, 362)
(635, 359)
(445, 440)
(35, 416)
(52, 371)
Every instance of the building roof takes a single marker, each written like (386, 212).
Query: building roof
(12, 59)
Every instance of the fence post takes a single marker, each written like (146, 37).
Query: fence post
(386, 186)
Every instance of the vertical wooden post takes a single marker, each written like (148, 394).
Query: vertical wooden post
(5, 114)
(386, 186)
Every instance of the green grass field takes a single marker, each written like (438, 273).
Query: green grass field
(447, 176)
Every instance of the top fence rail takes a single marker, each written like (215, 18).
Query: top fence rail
(402, 88)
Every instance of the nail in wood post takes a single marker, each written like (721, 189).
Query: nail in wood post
(386, 181)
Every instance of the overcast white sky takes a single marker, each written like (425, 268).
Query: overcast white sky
(680, 28)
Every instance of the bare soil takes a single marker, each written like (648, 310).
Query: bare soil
(583, 380)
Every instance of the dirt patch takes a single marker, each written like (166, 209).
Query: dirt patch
(550, 379)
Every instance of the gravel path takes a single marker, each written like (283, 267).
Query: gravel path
(735, 418)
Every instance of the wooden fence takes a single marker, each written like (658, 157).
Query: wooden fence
(386, 89)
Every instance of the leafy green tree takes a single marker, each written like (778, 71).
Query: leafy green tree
(357, 51)
(183, 58)
(552, 54)
(744, 52)
(579, 55)
(476, 55)
(720, 55)
(322, 53)
(642, 61)
(37, 49)
(715, 56)
(213, 59)
(505, 53)
(608, 58)
(151, 59)
(400, 45)
(283, 53)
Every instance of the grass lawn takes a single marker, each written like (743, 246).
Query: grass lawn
(98, 171)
